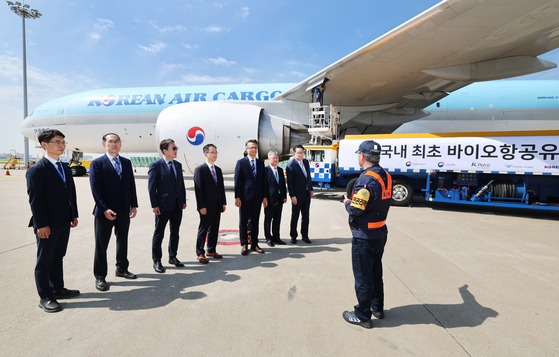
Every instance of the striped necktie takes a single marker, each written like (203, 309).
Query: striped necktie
(117, 167)
(214, 175)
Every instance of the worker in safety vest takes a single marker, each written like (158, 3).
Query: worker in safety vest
(367, 210)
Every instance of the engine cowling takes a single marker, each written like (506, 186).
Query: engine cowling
(227, 125)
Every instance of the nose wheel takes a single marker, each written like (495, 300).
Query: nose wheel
(78, 170)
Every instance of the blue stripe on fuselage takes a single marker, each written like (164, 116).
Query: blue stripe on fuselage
(504, 94)
(153, 99)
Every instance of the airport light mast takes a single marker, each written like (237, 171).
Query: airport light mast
(25, 12)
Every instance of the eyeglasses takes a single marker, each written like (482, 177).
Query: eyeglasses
(212, 152)
(58, 142)
(113, 141)
(174, 148)
(251, 148)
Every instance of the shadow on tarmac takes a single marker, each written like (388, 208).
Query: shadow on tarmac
(156, 290)
(467, 314)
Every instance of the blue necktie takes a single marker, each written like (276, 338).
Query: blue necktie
(303, 168)
(61, 171)
(172, 169)
(117, 167)
(253, 167)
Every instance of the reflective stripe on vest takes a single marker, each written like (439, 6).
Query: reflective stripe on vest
(374, 225)
(386, 191)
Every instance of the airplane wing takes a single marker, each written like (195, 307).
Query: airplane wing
(447, 47)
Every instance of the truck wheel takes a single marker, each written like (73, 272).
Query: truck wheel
(75, 170)
(402, 193)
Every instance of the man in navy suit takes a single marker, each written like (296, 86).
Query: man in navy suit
(112, 184)
(301, 192)
(52, 197)
(168, 199)
(250, 192)
(277, 196)
(210, 203)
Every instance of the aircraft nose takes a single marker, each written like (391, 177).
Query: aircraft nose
(27, 128)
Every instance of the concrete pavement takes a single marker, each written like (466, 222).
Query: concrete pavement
(457, 282)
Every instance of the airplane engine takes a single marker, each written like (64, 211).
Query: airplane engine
(228, 126)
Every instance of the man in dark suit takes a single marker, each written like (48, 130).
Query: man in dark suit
(112, 184)
(301, 192)
(210, 203)
(168, 199)
(250, 192)
(52, 197)
(277, 196)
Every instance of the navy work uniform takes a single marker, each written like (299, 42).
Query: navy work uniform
(367, 210)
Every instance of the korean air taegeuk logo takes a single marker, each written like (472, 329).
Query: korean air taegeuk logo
(195, 135)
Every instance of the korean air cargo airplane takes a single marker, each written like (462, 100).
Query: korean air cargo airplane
(420, 77)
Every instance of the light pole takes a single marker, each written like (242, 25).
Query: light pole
(25, 12)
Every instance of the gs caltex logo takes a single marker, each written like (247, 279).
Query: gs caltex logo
(551, 167)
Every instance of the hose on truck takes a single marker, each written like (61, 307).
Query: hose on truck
(504, 189)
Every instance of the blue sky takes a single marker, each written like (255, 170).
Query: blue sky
(78, 45)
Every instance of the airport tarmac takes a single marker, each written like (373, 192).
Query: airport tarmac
(457, 283)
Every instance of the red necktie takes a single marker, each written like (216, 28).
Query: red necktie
(213, 174)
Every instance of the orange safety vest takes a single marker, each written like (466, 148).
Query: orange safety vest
(386, 194)
(386, 190)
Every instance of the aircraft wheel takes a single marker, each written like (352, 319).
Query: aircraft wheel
(402, 193)
(75, 170)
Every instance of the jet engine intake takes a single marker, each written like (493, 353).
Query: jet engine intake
(227, 125)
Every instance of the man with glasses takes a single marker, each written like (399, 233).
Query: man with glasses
(250, 192)
(167, 194)
(277, 196)
(52, 197)
(300, 190)
(112, 184)
(210, 203)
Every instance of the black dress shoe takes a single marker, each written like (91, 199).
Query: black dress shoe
(294, 240)
(244, 250)
(50, 305)
(158, 267)
(270, 242)
(378, 314)
(257, 249)
(307, 240)
(176, 262)
(279, 242)
(101, 284)
(125, 274)
(65, 293)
